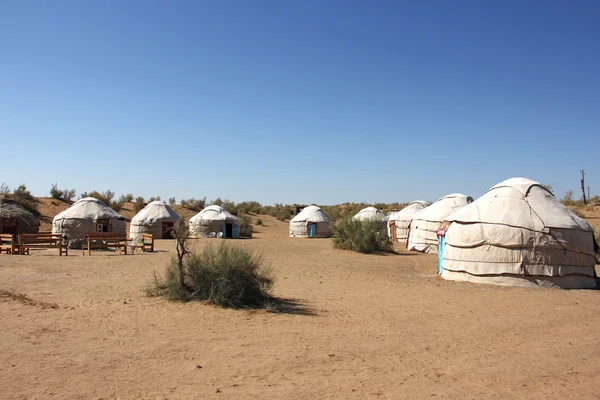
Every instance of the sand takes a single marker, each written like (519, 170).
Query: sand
(359, 326)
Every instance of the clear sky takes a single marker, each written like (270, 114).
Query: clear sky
(299, 101)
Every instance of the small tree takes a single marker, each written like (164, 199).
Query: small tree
(129, 197)
(4, 189)
(139, 204)
(25, 199)
(568, 198)
(64, 194)
(172, 201)
(181, 233)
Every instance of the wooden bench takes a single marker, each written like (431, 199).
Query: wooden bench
(147, 242)
(42, 240)
(8, 243)
(111, 239)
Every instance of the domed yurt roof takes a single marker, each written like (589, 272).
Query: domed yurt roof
(155, 212)
(213, 213)
(311, 214)
(370, 214)
(89, 208)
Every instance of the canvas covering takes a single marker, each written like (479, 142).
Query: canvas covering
(310, 215)
(519, 234)
(211, 220)
(401, 219)
(424, 224)
(369, 214)
(82, 217)
(150, 219)
(11, 212)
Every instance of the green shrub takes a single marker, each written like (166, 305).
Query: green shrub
(226, 276)
(151, 199)
(361, 236)
(259, 222)
(64, 195)
(129, 197)
(25, 199)
(194, 204)
(249, 207)
(245, 226)
(139, 204)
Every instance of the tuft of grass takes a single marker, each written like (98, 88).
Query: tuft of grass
(226, 276)
(259, 222)
(245, 226)
(361, 236)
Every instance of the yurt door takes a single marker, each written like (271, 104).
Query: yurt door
(233, 231)
(228, 231)
(441, 245)
(167, 229)
(102, 225)
(312, 230)
(393, 231)
(8, 225)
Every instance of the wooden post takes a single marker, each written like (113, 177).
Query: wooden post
(583, 186)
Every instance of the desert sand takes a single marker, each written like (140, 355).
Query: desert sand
(357, 326)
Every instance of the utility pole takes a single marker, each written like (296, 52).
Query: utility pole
(583, 186)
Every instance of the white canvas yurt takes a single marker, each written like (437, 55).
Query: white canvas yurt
(369, 214)
(15, 220)
(214, 219)
(399, 221)
(88, 215)
(519, 234)
(156, 218)
(310, 222)
(424, 224)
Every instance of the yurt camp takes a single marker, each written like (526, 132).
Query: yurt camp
(399, 221)
(15, 220)
(311, 222)
(214, 220)
(156, 218)
(369, 214)
(424, 224)
(519, 234)
(88, 215)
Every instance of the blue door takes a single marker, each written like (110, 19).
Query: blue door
(312, 230)
(233, 231)
(441, 245)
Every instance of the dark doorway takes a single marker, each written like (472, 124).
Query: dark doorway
(229, 230)
(102, 225)
(167, 230)
(8, 225)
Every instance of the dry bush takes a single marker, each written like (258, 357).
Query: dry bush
(194, 204)
(23, 197)
(128, 197)
(4, 189)
(226, 276)
(259, 222)
(361, 236)
(245, 226)
(172, 201)
(64, 194)
(138, 204)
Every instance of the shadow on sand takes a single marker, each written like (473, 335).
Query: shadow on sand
(289, 306)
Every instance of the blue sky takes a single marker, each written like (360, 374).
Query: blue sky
(299, 101)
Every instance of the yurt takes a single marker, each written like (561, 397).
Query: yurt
(399, 221)
(369, 214)
(15, 219)
(311, 222)
(214, 219)
(156, 218)
(424, 224)
(88, 215)
(519, 234)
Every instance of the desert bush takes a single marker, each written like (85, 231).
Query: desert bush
(138, 204)
(578, 212)
(105, 197)
(226, 276)
(567, 199)
(172, 201)
(245, 226)
(259, 222)
(64, 194)
(151, 199)
(22, 196)
(128, 197)
(194, 204)
(4, 189)
(361, 236)
(249, 207)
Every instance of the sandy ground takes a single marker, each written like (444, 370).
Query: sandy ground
(360, 326)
